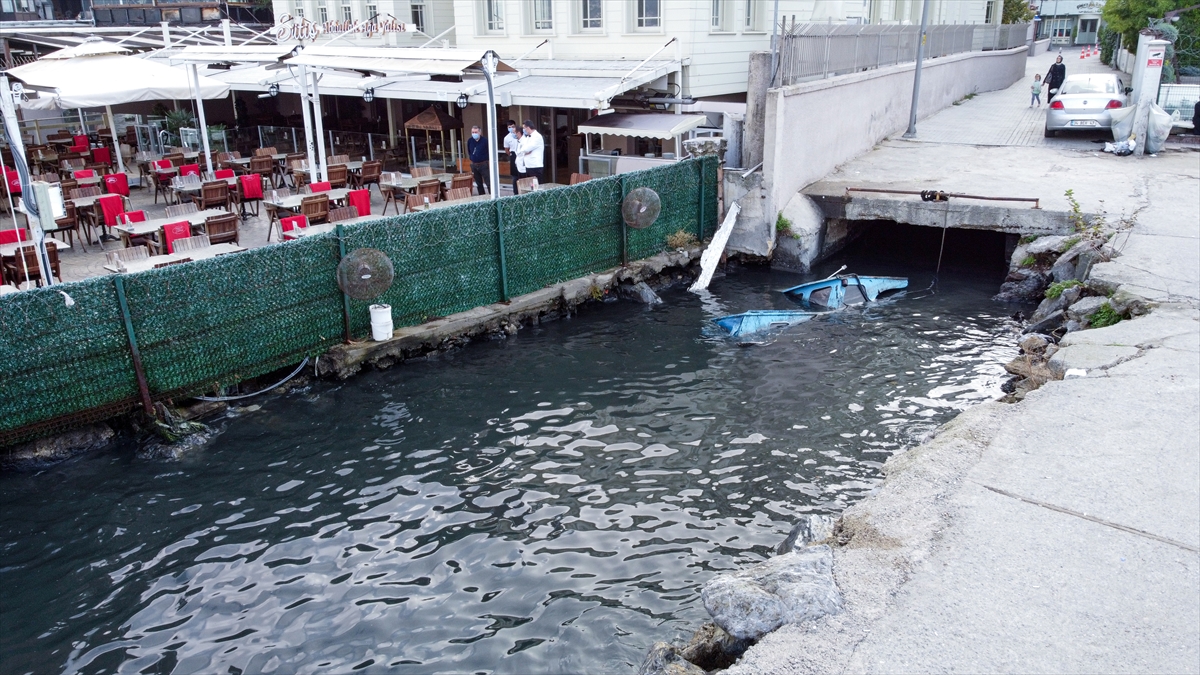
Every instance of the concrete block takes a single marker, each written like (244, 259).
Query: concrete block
(1089, 357)
(800, 250)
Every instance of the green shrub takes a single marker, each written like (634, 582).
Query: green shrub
(1105, 316)
(1028, 261)
(783, 226)
(1056, 289)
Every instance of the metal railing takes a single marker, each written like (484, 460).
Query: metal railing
(812, 51)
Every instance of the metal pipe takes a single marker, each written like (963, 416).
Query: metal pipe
(1036, 200)
(319, 123)
(435, 37)
(195, 82)
(912, 114)
(774, 45)
(309, 150)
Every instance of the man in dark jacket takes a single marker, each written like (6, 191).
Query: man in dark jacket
(477, 152)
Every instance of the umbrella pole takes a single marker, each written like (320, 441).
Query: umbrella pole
(112, 126)
(320, 125)
(308, 132)
(195, 82)
(82, 122)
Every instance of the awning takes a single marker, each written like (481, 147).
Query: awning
(433, 119)
(664, 126)
(233, 54)
(108, 78)
(393, 61)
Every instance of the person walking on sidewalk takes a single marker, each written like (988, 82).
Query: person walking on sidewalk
(477, 152)
(1035, 91)
(531, 151)
(1054, 78)
(511, 142)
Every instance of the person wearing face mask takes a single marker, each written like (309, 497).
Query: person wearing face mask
(477, 152)
(531, 151)
(511, 142)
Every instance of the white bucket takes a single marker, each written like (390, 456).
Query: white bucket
(381, 322)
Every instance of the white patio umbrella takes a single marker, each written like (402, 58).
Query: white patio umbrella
(98, 74)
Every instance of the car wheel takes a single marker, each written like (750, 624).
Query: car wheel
(1049, 132)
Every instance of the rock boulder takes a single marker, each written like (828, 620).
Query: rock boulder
(1082, 310)
(663, 659)
(786, 589)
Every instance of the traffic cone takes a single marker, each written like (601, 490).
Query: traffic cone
(1081, 53)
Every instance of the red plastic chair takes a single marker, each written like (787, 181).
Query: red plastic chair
(12, 236)
(293, 223)
(82, 149)
(83, 173)
(163, 166)
(174, 231)
(102, 156)
(252, 186)
(320, 187)
(189, 170)
(117, 184)
(130, 217)
(223, 173)
(361, 200)
(80, 139)
(13, 180)
(111, 206)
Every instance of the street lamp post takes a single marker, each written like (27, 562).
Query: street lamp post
(912, 114)
(489, 61)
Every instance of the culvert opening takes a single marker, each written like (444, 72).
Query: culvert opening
(973, 252)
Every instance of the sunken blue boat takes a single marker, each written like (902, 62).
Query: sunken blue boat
(850, 289)
(756, 321)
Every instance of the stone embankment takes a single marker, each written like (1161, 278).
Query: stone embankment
(942, 568)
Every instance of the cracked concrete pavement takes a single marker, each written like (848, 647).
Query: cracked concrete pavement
(1062, 533)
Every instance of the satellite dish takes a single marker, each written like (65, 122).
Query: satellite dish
(641, 208)
(365, 273)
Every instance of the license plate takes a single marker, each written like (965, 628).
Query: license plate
(1084, 123)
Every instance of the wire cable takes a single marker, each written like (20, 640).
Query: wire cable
(262, 391)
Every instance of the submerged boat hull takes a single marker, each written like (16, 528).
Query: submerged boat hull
(832, 293)
(760, 320)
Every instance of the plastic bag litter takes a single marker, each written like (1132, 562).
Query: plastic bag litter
(1121, 149)
(1158, 128)
(1122, 122)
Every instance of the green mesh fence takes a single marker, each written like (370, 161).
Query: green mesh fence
(217, 322)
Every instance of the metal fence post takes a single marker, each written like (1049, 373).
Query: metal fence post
(345, 298)
(138, 371)
(700, 211)
(500, 241)
(624, 227)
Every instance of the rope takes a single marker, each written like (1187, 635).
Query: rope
(261, 391)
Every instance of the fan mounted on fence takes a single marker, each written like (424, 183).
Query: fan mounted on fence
(640, 208)
(365, 273)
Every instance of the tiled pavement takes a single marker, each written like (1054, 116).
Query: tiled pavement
(1004, 117)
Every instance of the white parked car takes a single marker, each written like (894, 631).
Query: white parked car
(1083, 102)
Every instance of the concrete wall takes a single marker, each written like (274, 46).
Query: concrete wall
(1040, 47)
(812, 128)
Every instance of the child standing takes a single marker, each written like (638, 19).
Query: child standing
(1036, 91)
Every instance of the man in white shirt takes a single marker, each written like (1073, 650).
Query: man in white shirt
(511, 142)
(531, 152)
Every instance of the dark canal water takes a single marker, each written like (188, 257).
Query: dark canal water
(550, 503)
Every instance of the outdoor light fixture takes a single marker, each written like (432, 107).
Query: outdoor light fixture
(273, 90)
(462, 101)
(368, 95)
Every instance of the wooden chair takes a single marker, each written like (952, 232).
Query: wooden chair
(121, 256)
(289, 166)
(69, 225)
(430, 187)
(172, 232)
(460, 180)
(454, 194)
(23, 265)
(414, 201)
(390, 197)
(89, 191)
(263, 166)
(176, 159)
(526, 184)
(290, 227)
(266, 152)
(371, 172)
(273, 211)
(181, 209)
(222, 229)
(214, 194)
(66, 186)
(339, 175)
(315, 208)
(338, 159)
(577, 178)
(249, 191)
(422, 171)
(342, 213)
(193, 243)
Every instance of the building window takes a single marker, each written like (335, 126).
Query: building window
(299, 12)
(418, 15)
(494, 15)
(322, 13)
(716, 14)
(990, 12)
(751, 15)
(543, 14)
(649, 13)
(1087, 25)
(372, 11)
(720, 16)
(347, 14)
(591, 14)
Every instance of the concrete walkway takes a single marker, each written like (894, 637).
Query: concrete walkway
(1062, 533)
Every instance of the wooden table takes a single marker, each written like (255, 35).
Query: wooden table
(196, 254)
(312, 230)
(155, 226)
(231, 182)
(85, 182)
(245, 161)
(408, 184)
(353, 167)
(455, 202)
(9, 250)
(292, 202)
